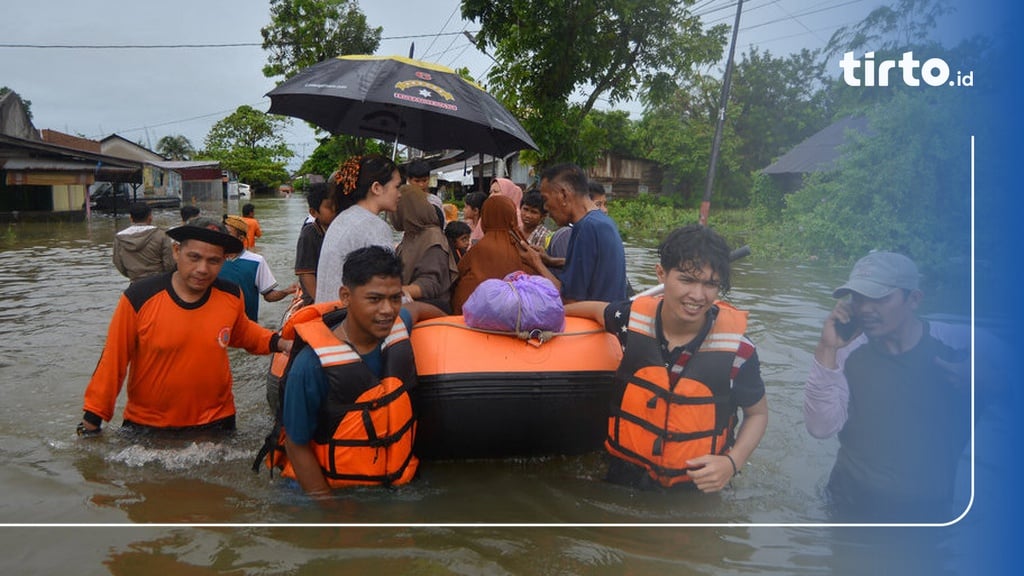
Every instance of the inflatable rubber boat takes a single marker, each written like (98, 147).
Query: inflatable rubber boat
(487, 395)
(496, 395)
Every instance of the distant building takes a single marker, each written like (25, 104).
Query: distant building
(40, 179)
(818, 153)
(624, 177)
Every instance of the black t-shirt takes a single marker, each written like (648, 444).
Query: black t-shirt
(747, 387)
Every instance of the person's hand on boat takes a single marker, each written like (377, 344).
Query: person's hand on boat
(710, 473)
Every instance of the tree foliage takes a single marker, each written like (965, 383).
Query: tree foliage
(304, 32)
(904, 186)
(618, 133)
(175, 147)
(776, 103)
(332, 150)
(890, 27)
(677, 130)
(554, 51)
(248, 142)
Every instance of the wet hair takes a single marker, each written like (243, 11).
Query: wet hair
(316, 195)
(363, 264)
(417, 169)
(189, 212)
(456, 228)
(356, 176)
(139, 211)
(693, 246)
(247, 210)
(534, 199)
(595, 189)
(569, 174)
(475, 200)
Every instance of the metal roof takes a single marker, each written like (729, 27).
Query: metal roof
(184, 164)
(819, 152)
(46, 164)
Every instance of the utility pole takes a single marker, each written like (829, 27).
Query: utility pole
(705, 205)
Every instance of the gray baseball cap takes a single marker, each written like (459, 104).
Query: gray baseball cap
(878, 274)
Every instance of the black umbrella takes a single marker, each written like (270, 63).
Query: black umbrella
(417, 103)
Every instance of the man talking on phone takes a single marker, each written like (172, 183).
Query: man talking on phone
(896, 389)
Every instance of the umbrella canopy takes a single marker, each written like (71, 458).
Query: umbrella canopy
(417, 103)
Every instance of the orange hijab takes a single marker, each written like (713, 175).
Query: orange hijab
(495, 255)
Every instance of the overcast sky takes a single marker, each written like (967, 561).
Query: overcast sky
(144, 94)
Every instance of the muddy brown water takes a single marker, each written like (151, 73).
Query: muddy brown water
(141, 502)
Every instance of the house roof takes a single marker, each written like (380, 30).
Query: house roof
(819, 152)
(21, 154)
(185, 164)
(134, 151)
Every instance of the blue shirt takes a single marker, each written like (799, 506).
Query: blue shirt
(252, 274)
(595, 264)
(305, 389)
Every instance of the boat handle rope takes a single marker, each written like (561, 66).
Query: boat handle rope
(535, 337)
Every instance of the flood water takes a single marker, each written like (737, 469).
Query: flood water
(59, 289)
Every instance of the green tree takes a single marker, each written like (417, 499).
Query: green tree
(677, 130)
(903, 186)
(175, 147)
(304, 32)
(776, 103)
(332, 150)
(618, 132)
(248, 142)
(553, 51)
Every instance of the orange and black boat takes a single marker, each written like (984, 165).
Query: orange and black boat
(490, 395)
(484, 394)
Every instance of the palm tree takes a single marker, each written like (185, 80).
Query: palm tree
(175, 147)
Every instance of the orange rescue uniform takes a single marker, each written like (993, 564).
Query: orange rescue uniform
(252, 231)
(180, 375)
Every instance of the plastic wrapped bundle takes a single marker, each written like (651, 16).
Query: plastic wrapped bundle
(519, 302)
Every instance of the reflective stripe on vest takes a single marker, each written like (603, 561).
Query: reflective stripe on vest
(658, 426)
(373, 437)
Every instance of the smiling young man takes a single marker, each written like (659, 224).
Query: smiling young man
(895, 388)
(686, 368)
(173, 330)
(347, 414)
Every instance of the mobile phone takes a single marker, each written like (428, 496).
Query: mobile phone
(846, 330)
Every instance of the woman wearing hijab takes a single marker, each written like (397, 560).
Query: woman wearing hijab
(495, 255)
(428, 267)
(508, 188)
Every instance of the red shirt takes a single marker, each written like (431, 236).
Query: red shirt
(180, 374)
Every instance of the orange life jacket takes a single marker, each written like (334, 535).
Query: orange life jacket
(658, 426)
(368, 441)
(298, 313)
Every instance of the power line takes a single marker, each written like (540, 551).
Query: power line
(184, 120)
(436, 36)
